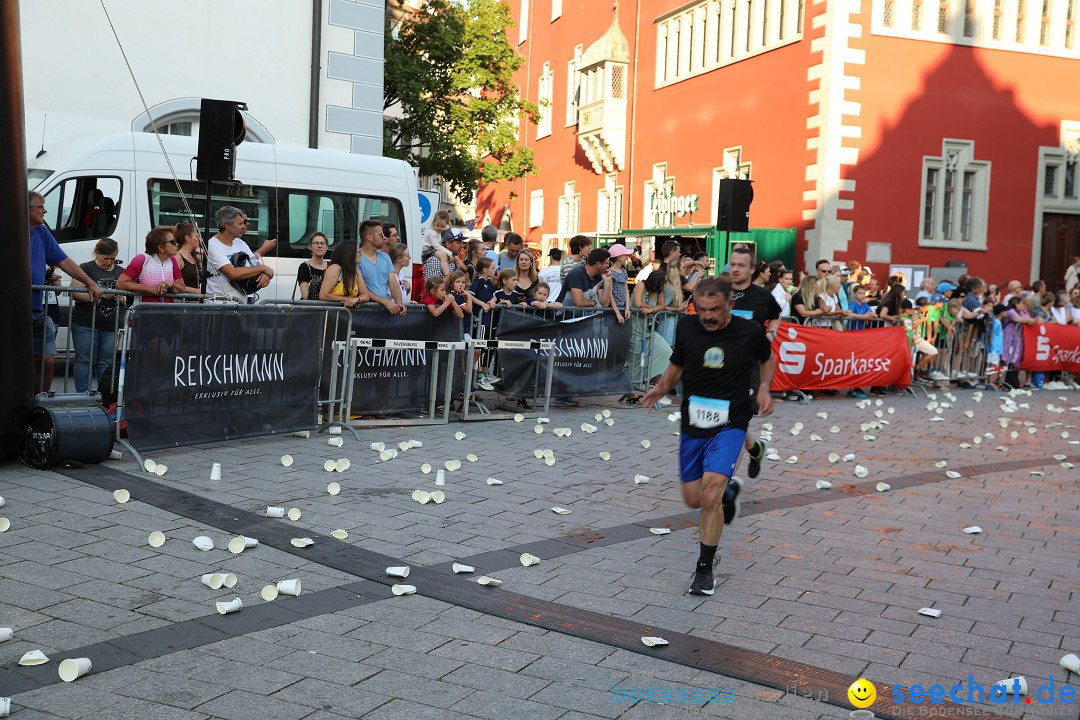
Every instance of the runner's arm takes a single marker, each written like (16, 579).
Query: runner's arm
(668, 380)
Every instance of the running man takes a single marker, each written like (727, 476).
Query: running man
(753, 303)
(715, 355)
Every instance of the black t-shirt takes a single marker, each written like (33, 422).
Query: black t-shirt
(757, 301)
(719, 365)
(796, 299)
(577, 278)
(306, 274)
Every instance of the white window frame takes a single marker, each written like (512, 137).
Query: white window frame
(569, 211)
(573, 87)
(957, 157)
(556, 10)
(523, 22)
(609, 205)
(536, 208)
(545, 93)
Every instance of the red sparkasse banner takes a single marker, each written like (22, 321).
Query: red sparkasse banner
(809, 358)
(1049, 346)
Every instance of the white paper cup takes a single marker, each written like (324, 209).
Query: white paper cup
(377, 446)
(823, 484)
(302, 542)
(641, 479)
(74, 668)
(471, 458)
(1070, 662)
(460, 568)
(518, 417)
(4, 524)
(403, 589)
(401, 571)
(289, 587)
(160, 469)
(7, 633)
(440, 477)
(452, 465)
(404, 445)
(3, 502)
(1009, 685)
(342, 465)
(489, 581)
(237, 546)
(653, 641)
(333, 488)
(386, 455)
(438, 497)
(883, 487)
(214, 581)
(287, 460)
(269, 593)
(459, 435)
(5, 706)
(340, 534)
(121, 495)
(156, 539)
(294, 514)
(203, 543)
(34, 657)
(215, 471)
(415, 444)
(275, 512)
(528, 560)
(335, 441)
(149, 465)
(421, 496)
(605, 455)
(425, 468)
(334, 430)
(494, 481)
(229, 581)
(234, 605)
(302, 434)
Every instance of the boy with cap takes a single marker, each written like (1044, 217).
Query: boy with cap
(944, 292)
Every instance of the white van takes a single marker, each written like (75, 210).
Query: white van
(120, 186)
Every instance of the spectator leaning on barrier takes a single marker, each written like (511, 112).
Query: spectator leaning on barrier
(378, 269)
(223, 251)
(552, 274)
(343, 282)
(579, 248)
(99, 340)
(156, 272)
(402, 258)
(45, 251)
(588, 285)
(309, 275)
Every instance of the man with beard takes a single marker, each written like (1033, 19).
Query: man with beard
(715, 355)
(753, 303)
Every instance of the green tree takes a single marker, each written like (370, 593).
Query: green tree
(449, 70)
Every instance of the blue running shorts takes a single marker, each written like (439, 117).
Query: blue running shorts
(717, 454)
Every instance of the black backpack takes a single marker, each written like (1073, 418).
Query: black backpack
(248, 286)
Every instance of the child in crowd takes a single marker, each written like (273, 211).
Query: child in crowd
(437, 300)
(433, 238)
(457, 285)
(994, 351)
(540, 297)
(858, 309)
(483, 296)
(951, 316)
(507, 293)
(619, 256)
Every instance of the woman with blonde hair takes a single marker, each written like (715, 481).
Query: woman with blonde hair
(804, 305)
(526, 273)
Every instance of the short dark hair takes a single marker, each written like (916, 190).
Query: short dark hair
(156, 237)
(668, 247)
(819, 262)
(597, 256)
(713, 286)
(555, 254)
(577, 243)
(367, 226)
(743, 250)
(387, 226)
(512, 238)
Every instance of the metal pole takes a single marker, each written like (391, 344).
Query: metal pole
(16, 362)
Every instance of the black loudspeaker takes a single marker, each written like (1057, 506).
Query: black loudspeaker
(735, 198)
(221, 129)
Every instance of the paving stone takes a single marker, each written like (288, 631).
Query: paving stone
(393, 684)
(176, 691)
(240, 705)
(350, 702)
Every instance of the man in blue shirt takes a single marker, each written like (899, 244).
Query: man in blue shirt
(45, 251)
(489, 236)
(377, 268)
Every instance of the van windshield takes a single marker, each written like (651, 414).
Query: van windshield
(35, 177)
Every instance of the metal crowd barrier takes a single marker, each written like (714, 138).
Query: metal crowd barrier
(476, 346)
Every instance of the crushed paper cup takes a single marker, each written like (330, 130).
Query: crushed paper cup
(231, 606)
(452, 465)
(401, 571)
(438, 497)
(1071, 663)
(861, 471)
(460, 568)
(973, 530)
(121, 496)
(1037, 473)
(869, 438)
(294, 514)
(493, 481)
(823, 484)
(834, 429)
(289, 587)
(333, 488)
(160, 469)
(528, 560)
(425, 468)
(605, 455)
(641, 479)
(471, 458)
(792, 460)
(1010, 685)
(34, 657)
(1059, 457)
(149, 465)
(421, 497)
(560, 510)
(941, 464)
(287, 460)
(156, 539)
(459, 435)
(340, 534)
(815, 438)
(653, 641)
(660, 531)
(335, 441)
(952, 474)
(403, 589)
(1067, 465)
(518, 417)
(269, 593)
(489, 581)
(587, 428)
(538, 429)
(302, 542)
(377, 446)
(930, 612)
(342, 465)
(203, 543)
(883, 487)
(329, 466)
(275, 512)
(772, 456)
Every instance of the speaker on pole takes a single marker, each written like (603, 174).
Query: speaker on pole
(734, 201)
(221, 129)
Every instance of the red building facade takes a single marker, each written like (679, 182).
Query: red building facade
(895, 132)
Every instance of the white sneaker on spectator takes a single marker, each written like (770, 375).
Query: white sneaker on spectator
(938, 375)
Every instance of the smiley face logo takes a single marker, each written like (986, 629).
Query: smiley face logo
(862, 693)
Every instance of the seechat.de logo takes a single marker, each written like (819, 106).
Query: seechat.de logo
(792, 354)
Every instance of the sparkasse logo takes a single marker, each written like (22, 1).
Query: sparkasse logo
(792, 354)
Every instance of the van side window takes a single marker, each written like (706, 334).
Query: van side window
(84, 208)
(385, 210)
(311, 211)
(167, 206)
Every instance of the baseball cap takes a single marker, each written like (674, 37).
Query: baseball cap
(844, 271)
(555, 253)
(945, 286)
(619, 251)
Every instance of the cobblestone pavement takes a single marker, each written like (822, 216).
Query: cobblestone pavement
(812, 583)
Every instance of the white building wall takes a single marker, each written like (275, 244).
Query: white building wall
(254, 51)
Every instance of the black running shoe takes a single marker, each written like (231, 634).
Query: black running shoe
(756, 456)
(730, 501)
(703, 583)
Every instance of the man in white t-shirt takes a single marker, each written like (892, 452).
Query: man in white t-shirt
(232, 224)
(551, 275)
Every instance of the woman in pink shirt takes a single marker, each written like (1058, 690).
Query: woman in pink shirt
(156, 272)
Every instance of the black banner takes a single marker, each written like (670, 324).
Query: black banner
(590, 353)
(203, 373)
(398, 379)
